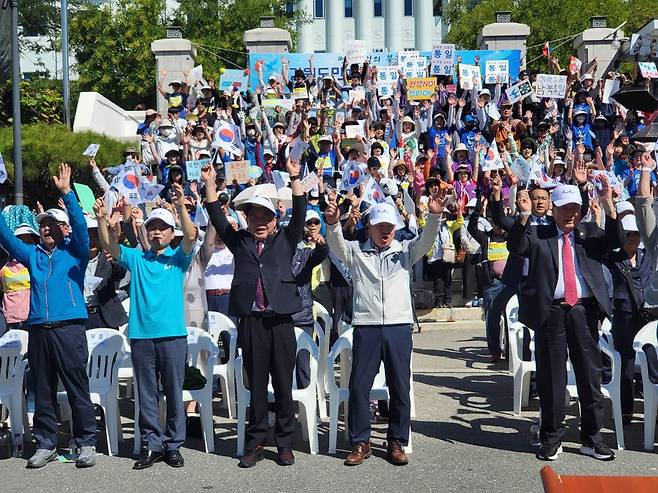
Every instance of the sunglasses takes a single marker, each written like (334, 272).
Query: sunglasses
(313, 222)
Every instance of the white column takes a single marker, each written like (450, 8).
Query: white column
(305, 39)
(393, 15)
(334, 14)
(424, 20)
(364, 16)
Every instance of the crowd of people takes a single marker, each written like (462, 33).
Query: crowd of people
(547, 199)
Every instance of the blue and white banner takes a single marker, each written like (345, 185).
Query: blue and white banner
(332, 63)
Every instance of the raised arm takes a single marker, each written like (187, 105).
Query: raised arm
(335, 240)
(295, 229)
(79, 234)
(189, 230)
(215, 212)
(107, 240)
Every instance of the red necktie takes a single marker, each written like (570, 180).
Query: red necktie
(261, 302)
(569, 272)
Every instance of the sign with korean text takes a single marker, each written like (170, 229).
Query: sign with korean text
(193, 169)
(518, 91)
(237, 170)
(387, 80)
(469, 77)
(496, 71)
(551, 86)
(414, 67)
(232, 78)
(355, 51)
(299, 93)
(648, 70)
(443, 59)
(420, 88)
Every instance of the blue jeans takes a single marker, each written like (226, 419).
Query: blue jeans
(495, 301)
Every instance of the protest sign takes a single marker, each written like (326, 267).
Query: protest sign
(469, 77)
(357, 95)
(193, 169)
(280, 178)
(296, 149)
(286, 104)
(518, 91)
(648, 70)
(611, 87)
(414, 67)
(232, 78)
(91, 150)
(351, 131)
(551, 86)
(443, 59)
(237, 170)
(387, 80)
(309, 182)
(497, 71)
(196, 74)
(521, 169)
(419, 88)
(403, 56)
(355, 51)
(85, 197)
(299, 93)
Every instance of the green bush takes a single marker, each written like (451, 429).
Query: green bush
(44, 148)
(41, 102)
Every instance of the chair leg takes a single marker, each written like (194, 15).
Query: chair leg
(119, 426)
(322, 400)
(26, 421)
(111, 431)
(207, 424)
(518, 391)
(242, 418)
(311, 426)
(409, 449)
(346, 411)
(222, 383)
(15, 415)
(649, 415)
(230, 395)
(334, 407)
(303, 419)
(525, 390)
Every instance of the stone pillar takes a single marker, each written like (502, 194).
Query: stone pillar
(393, 16)
(334, 16)
(305, 33)
(424, 20)
(599, 43)
(505, 36)
(268, 39)
(364, 16)
(176, 55)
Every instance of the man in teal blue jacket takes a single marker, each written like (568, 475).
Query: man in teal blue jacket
(57, 342)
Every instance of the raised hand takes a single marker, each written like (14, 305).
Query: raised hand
(523, 201)
(99, 207)
(437, 200)
(63, 181)
(293, 167)
(178, 197)
(580, 172)
(208, 175)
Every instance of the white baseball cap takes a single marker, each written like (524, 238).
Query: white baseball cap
(164, 215)
(383, 213)
(57, 214)
(259, 201)
(624, 206)
(25, 229)
(389, 187)
(566, 194)
(629, 223)
(312, 214)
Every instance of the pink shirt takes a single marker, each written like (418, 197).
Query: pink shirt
(15, 280)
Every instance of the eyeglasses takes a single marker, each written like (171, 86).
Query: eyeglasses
(313, 222)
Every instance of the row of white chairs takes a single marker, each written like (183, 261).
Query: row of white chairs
(109, 362)
(521, 370)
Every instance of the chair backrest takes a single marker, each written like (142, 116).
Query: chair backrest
(606, 326)
(202, 351)
(218, 323)
(646, 335)
(321, 313)
(512, 311)
(342, 345)
(304, 341)
(106, 351)
(126, 305)
(13, 347)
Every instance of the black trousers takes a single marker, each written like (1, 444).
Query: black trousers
(575, 328)
(624, 329)
(60, 353)
(160, 360)
(373, 344)
(440, 273)
(469, 279)
(268, 347)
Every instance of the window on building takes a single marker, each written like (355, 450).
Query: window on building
(438, 8)
(378, 8)
(408, 7)
(349, 11)
(319, 8)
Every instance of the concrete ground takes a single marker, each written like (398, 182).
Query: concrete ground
(465, 439)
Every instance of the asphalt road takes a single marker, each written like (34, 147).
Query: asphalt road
(465, 439)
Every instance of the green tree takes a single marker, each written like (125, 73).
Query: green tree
(112, 46)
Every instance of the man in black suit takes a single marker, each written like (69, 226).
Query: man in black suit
(563, 298)
(264, 296)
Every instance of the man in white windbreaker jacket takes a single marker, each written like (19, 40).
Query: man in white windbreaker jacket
(383, 314)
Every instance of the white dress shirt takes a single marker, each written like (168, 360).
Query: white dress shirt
(581, 285)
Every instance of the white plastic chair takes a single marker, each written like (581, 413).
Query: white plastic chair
(202, 353)
(340, 395)
(126, 368)
(306, 397)
(106, 353)
(218, 323)
(647, 335)
(324, 339)
(13, 348)
(520, 369)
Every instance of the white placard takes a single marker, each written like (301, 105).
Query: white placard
(611, 87)
(414, 67)
(404, 55)
(196, 74)
(309, 182)
(351, 131)
(296, 149)
(518, 91)
(496, 71)
(355, 51)
(387, 80)
(469, 77)
(357, 95)
(648, 70)
(551, 86)
(443, 59)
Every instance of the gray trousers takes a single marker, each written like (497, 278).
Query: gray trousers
(160, 360)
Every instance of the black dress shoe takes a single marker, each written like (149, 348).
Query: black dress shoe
(286, 457)
(147, 458)
(252, 457)
(173, 458)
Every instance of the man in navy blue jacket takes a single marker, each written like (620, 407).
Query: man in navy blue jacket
(57, 342)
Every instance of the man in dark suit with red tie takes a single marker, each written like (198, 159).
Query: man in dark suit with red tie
(264, 296)
(563, 298)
